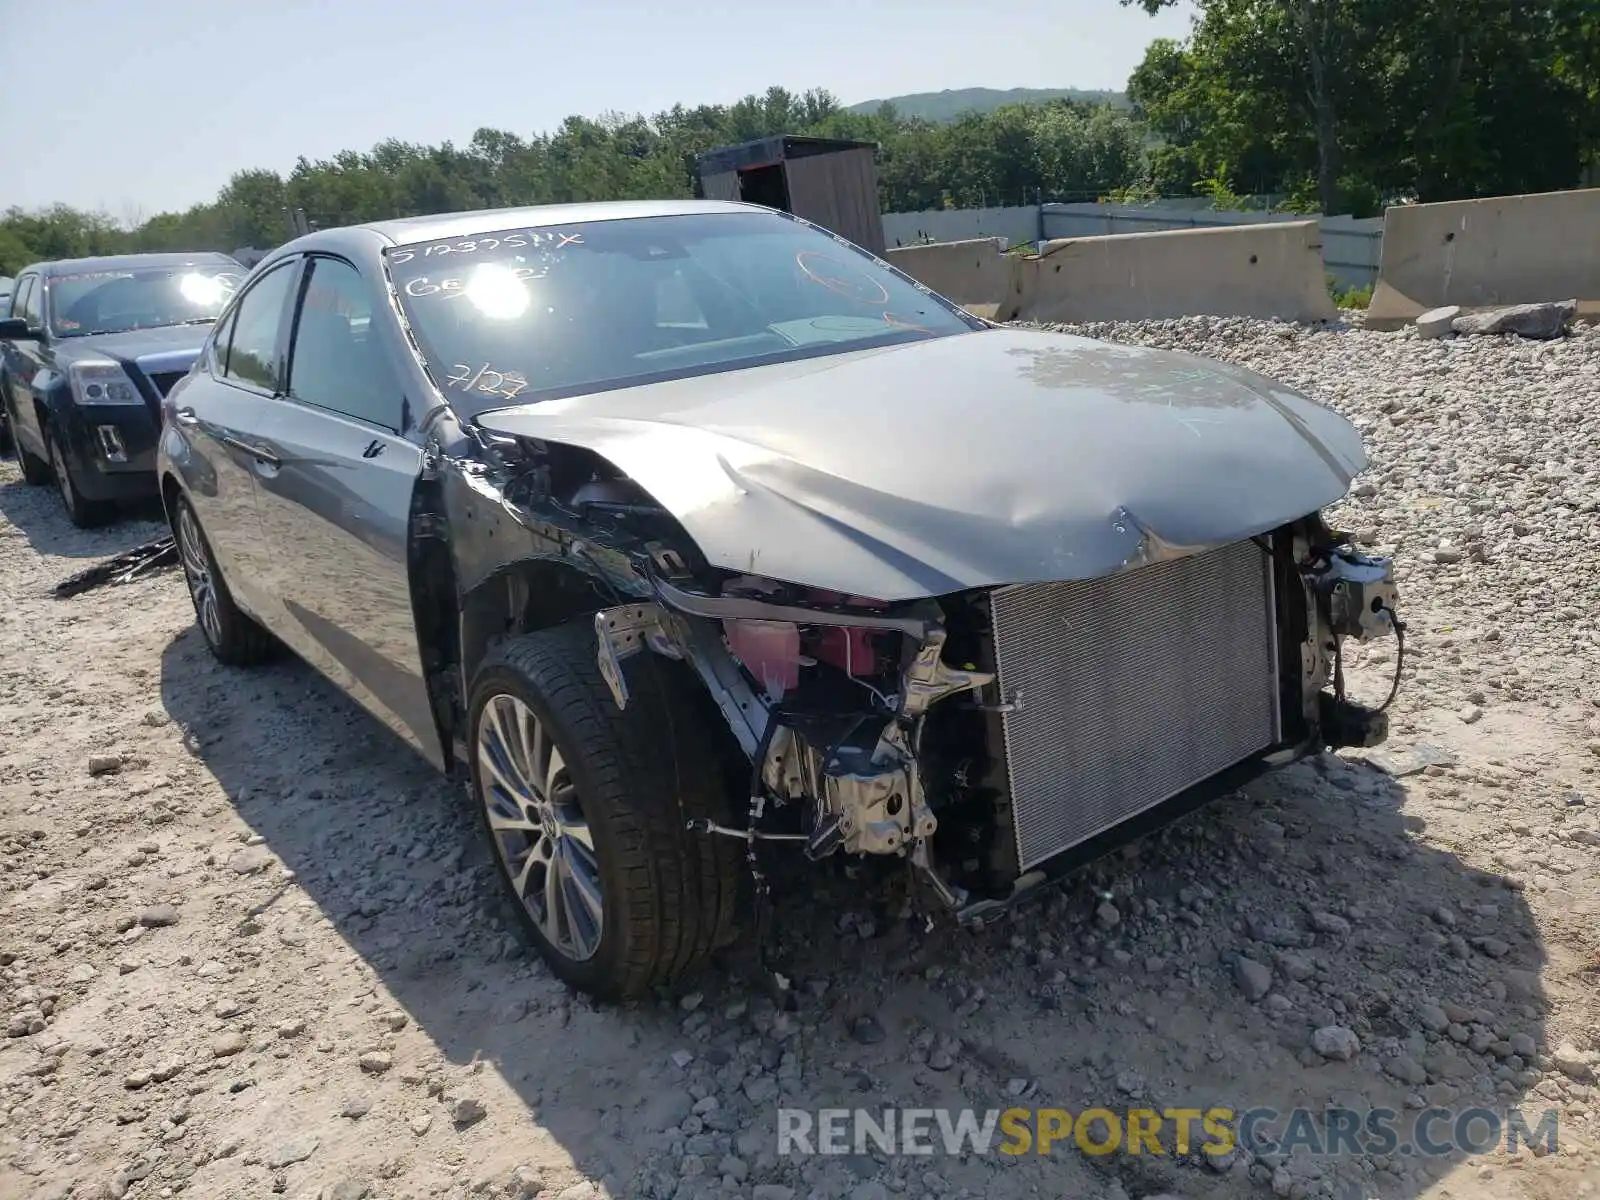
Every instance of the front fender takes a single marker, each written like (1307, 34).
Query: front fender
(50, 402)
(177, 461)
(52, 394)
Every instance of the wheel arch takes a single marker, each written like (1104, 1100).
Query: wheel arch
(477, 578)
(524, 596)
(494, 557)
(46, 400)
(171, 490)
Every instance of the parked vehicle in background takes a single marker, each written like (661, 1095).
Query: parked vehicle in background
(5, 307)
(676, 527)
(87, 350)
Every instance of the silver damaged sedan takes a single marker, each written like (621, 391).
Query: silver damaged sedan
(688, 535)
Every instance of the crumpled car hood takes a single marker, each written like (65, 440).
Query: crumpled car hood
(993, 457)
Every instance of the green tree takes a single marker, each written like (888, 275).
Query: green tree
(1345, 98)
(1006, 156)
(1261, 83)
(254, 205)
(1577, 64)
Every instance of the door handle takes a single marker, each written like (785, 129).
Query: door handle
(260, 454)
(186, 416)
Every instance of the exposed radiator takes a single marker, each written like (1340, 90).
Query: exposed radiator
(1131, 688)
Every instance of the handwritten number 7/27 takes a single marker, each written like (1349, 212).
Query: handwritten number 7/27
(508, 385)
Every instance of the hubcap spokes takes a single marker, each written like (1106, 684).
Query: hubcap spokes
(540, 831)
(198, 573)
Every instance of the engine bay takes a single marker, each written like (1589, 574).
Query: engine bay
(992, 737)
(878, 729)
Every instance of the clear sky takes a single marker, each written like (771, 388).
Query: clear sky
(136, 106)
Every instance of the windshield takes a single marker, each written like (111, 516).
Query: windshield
(529, 314)
(140, 298)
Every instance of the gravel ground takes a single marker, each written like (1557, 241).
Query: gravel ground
(247, 944)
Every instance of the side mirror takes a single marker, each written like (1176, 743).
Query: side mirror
(16, 329)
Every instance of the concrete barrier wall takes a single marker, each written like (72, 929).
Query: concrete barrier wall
(975, 274)
(1020, 224)
(1270, 270)
(1484, 253)
(1102, 220)
(1350, 246)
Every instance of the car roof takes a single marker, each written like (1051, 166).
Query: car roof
(128, 262)
(440, 226)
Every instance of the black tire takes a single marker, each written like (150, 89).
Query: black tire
(237, 639)
(84, 513)
(669, 896)
(35, 470)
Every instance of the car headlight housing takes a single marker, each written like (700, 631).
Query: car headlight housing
(101, 382)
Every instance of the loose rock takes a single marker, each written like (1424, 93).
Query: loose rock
(867, 1031)
(1572, 1062)
(376, 1062)
(1405, 1069)
(1336, 1042)
(158, 916)
(1527, 320)
(1436, 322)
(1254, 980)
(292, 1152)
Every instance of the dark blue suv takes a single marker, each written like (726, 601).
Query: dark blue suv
(87, 351)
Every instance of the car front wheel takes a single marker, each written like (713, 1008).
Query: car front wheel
(586, 808)
(84, 513)
(233, 637)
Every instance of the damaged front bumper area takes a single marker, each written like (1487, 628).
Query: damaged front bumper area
(995, 738)
(1351, 597)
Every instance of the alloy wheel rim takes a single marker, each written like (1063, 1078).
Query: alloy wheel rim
(197, 571)
(540, 832)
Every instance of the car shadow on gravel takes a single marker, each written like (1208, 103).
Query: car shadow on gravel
(37, 514)
(1191, 970)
